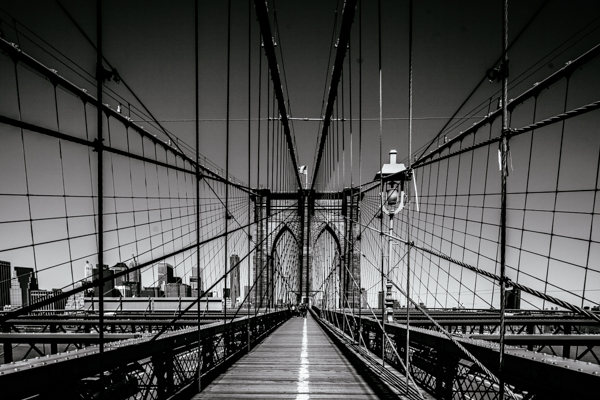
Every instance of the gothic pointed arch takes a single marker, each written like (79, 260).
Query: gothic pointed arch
(326, 227)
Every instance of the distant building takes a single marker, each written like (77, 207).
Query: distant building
(39, 295)
(123, 290)
(76, 301)
(381, 300)
(152, 291)
(363, 298)
(246, 294)
(21, 285)
(134, 278)
(88, 270)
(172, 289)
(117, 268)
(195, 284)
(234, 274)
(165, 274)
(513, 299)
(5, 278)
(59, 304)
(177, 290)
(109, 285)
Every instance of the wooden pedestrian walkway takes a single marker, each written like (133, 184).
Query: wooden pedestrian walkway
(297, 361)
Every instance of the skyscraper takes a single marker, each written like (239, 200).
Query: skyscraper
(109, 285)
(195, 284)
(134, 279)
(4, 283)
(22, 284)
(39, 295)
(120, 267)
(177, 290)
(235, 277)
(165, 274)
(89, 271)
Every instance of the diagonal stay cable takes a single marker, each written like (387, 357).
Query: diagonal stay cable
(224, 276)
(483, 79)
(388, 340)
(98, 282)
(453, 340)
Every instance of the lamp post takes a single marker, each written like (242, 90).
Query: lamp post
(392, 176)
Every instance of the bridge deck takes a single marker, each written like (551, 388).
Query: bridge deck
(297, 361)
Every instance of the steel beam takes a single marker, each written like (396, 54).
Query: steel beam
(546, 340)
(63, 338)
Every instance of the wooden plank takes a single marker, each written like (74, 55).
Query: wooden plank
(297, 361)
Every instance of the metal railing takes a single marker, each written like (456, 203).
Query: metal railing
(144, 367)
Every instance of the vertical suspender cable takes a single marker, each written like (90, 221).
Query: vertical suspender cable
(257, 204)
(503, 151)
(351, 235)
(343, 138)
(196, 78)
(249, 153)
(99, 148)
(359, 199)
(276, 116)
(227, 173)
(99, 79)
(62, 170)
(408, 222)
(267, 134)
(381, 180)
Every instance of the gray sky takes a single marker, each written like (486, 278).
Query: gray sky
(152, 46)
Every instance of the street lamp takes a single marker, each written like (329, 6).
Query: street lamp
(393, 197)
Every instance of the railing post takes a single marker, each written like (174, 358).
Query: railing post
(401, 345)
(53, 346)
(207, 354)
(567, 348)
(159, 372)
(7, 345)
(446, 367)
(530, 331)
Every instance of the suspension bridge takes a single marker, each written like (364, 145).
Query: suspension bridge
(160, 228)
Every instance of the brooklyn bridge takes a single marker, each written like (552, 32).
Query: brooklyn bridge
(301, 200)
